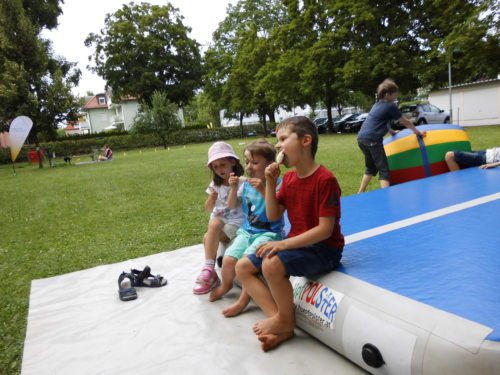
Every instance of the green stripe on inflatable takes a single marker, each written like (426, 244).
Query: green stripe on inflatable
(413, 158)
(436, 153)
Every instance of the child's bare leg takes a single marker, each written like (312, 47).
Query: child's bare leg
(228, 273)
(283, 322)
(237, 307)
(364, 183)
(258, 291)
(211, 239)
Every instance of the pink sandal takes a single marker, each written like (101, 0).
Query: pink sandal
(206, 281)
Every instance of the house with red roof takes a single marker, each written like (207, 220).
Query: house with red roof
(102, 114)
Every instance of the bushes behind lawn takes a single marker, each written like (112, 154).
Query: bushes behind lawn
(85, 145)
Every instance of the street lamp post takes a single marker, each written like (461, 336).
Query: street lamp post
(449, 91)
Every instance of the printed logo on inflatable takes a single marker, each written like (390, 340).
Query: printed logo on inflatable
(315, 303)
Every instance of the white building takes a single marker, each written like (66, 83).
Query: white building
(473, 104)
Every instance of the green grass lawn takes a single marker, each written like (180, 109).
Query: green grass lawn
(63, 219)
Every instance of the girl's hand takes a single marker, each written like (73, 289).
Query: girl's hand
(269, 249)
(272, 171)
(257, 184)
(213, 194)
(233, 180)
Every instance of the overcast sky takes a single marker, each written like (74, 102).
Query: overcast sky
(80, 18)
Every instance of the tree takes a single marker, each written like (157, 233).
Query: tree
(159, 117)
(463, 33)
(33, 81)
(145, 48)
(201, 110)
(242, 45)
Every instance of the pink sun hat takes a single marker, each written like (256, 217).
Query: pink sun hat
(220, 150)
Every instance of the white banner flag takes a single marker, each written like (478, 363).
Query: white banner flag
(19, 130)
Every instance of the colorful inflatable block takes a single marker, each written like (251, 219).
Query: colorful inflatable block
(411, 157)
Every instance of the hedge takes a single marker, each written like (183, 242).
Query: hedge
(82, 146)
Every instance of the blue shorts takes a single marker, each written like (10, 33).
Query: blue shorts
(470, 159)
(305, 261)
(247, 243)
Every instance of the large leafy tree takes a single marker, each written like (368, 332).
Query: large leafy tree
(33, 81)
(464, 33)
(242, 45)
(334, 52)
(144, 48)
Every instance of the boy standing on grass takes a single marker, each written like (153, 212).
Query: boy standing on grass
(373, 130)
(311, 195)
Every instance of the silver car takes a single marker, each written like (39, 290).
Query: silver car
(425, 113)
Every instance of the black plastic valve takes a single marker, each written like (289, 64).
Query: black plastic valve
(372, 356)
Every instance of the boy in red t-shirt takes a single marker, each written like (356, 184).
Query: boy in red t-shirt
(311, 195)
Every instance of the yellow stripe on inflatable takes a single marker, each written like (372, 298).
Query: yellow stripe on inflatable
(433, 137)
(445, 136)
(401, 145)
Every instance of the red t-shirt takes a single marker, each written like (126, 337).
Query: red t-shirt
(308, 199)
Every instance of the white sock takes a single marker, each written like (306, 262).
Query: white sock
(210, 263)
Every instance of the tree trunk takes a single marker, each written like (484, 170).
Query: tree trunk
(164, 141)
(272, 117)
(241, 125)
(329, 103)
(264, 123)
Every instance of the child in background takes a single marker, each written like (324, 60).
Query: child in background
(484, 159)
(224, 221)
(373, 130)
(256, 228)
(311, 195)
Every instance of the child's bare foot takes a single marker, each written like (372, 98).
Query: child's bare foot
(271, 341)
(273, 325)
(219, 292)
(235, 309)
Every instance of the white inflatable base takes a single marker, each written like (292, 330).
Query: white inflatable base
(352, 317)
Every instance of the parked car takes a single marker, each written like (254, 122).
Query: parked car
(355, 124)
(424, 113)
(338, 126)
(321, 124)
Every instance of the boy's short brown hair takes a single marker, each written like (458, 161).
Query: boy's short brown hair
(302, 126)
(386, 87)
(263, 148)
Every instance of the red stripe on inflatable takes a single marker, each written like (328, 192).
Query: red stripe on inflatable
(439, 168)
(408, 174)
(414, 173)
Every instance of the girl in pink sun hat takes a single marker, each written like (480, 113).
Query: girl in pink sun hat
(224, 222)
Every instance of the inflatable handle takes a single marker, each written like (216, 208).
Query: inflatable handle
(372, 356)
(425, 157)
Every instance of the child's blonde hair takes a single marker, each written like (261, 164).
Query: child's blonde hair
(386, 87)
(263, 148)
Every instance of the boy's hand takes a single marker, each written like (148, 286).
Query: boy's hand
(421, 134)
(269, 249)
(257, 184)
(272, 171)
(233, 180)
(393, 132)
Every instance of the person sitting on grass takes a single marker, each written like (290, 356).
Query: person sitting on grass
(107, 154)
(311, 195)
(256, 228)
(483, 159)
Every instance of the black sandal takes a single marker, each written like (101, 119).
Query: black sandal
(126, 291)
(144, 278)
